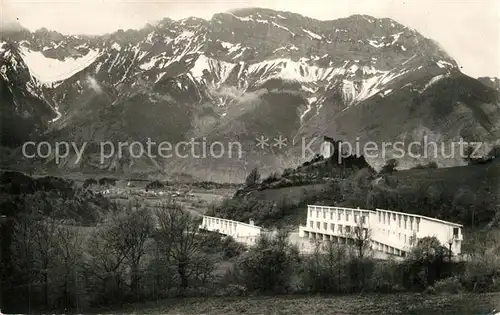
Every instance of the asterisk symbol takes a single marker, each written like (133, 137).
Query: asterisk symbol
(262, 142)
(279, 142)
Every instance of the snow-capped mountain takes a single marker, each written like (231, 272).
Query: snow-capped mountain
(253, 72)
(25, 109)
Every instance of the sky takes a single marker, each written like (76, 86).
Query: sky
(469, 30)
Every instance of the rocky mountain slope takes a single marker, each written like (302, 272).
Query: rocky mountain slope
(491, 82)
(246, 74)
(25, 110)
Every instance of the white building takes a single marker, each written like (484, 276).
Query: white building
(390, 232)
(246, 233)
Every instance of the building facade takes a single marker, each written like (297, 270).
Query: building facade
(247, 233)
(388, 231)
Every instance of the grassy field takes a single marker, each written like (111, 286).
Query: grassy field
(197, 200)
(477, 177)
(292, 194)
(407, 304)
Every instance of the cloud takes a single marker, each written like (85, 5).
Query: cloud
(94, 85)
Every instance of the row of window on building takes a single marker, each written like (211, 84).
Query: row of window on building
(401, 236)
(339, 215)
(402, 220)
(383, 217)
(340, 228)
(224, 223)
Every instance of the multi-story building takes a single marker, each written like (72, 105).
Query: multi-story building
(247, 233)
(388, 231)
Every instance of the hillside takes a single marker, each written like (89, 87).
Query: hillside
(464, 194)
(242, 75)
(25, 111)
(471, 192)
(50, 196)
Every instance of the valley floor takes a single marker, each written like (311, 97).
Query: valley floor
(407, 304)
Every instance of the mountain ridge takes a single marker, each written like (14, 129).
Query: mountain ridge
(253, 71)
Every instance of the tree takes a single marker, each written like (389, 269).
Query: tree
(427, 258)
(70, 257)
(494, 152)
(389, 167)
(470, 157)
(253, 178)
(105, 267)
(361, 236)
(326, 268)
(23, 249)
(117, 248)
(464, 204)
(136, 228)
(355, 189)
(361, 243)
(35, 250)
(268, 266)
(179, 240)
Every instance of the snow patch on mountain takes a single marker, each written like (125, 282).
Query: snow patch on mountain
(230, 47)
(282, 27)
(184, 35)
(432, 81)
(375, 43)
(386, 92)
(310, 101)
(357, 91)
(292, 70)
(58, 114)
(443, 64)
(313, 35)
(48, 70)
(396, 37)
(3, 46)
(220, 69)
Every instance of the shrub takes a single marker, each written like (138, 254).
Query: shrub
(389, 167)
(384, 277)
(430, 290)
(269, 265)
(232, 290)
(287, 172)
(231, 248)
(271, 178)
(450, 285)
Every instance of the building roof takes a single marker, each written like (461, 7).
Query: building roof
(423, 217)
(395, 212)
(238, 222)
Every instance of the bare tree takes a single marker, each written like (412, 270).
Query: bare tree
(361, 238)
(35, 250)
(106, 261)
(69, 242)
(120, 246)
(179, 239)
(23, 252)
(136, 228)
(253, 178)
(335, 259)
(45, 240)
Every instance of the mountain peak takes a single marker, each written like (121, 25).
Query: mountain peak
(242, 72)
